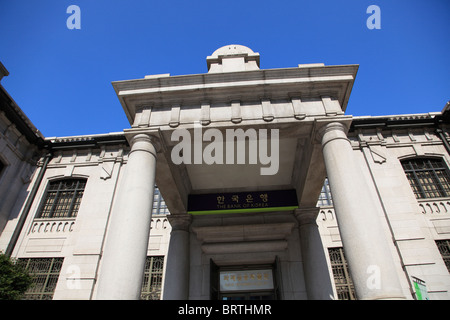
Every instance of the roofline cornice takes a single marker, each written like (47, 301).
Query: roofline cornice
(314, 81)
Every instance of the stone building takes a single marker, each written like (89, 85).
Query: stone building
(245, 160)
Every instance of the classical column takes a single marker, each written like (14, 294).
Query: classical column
(176, 283)
(359, 216)
(315, 267)
(125, 249)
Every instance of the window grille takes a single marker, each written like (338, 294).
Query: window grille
(45, 274)
(152, 282)
(159, 205)
(344, 284)
(325, 195)
(429, 178)
(444, 249)
(62, 198)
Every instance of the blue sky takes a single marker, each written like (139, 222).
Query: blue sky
(62, 78)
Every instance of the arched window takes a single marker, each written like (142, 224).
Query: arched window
(428, 177)
(62, 198)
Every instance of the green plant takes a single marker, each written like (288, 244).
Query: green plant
(14, 279)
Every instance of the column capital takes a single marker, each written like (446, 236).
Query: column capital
(332, 126)
(144, 142)
(332, 131)
(180, 222)
(306, 215)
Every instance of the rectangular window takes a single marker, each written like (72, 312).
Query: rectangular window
(325, 195)
(429, 178)
(62, 198)
(152, 282)
(344, 284)
(45, 273)
(444, 249)
(159, 205)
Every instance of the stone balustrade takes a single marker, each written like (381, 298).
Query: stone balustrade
(52, 226)
(326, 214)
(441, 206)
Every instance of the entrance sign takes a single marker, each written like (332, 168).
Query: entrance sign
(246, 280)
(238, 202)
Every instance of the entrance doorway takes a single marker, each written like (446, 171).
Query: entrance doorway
(249, 282)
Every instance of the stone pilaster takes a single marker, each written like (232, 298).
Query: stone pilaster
(176, 283)
(126, 244)
(315, 268)
(359, 216)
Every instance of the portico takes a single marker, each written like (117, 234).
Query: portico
(305, 106)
